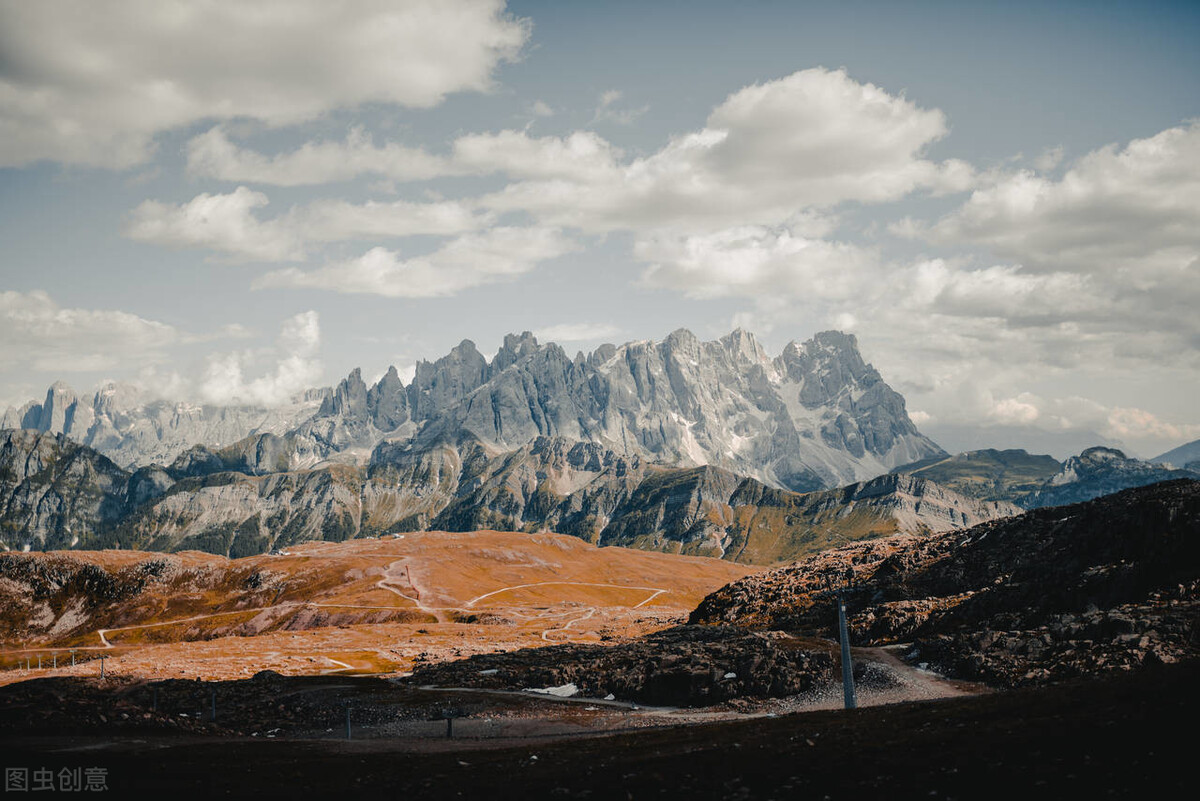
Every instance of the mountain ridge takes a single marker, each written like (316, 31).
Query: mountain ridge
(814, 417)
(552, 484)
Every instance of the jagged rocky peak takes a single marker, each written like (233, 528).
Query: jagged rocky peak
(349, 398)
(826, 367)
(682, 341)
(438, 385)
(388, 401)
(743, 348)
(514, 349)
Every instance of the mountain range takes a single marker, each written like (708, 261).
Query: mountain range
(704, 448)
(814, 417)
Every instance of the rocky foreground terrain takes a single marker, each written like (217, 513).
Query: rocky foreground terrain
(1110, 584)
(682, 666)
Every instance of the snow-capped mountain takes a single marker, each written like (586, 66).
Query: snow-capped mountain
(816, 416)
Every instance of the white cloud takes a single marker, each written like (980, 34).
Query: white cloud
(577, 332)
(1073, 413)
(227, 224)
(607, 110)
(582, 156)
(811, 140)
(93, 83)
(1132, 208)
(36, 333)
(338, 220)
(467, 261)
(295, 366)
(40, 335)
(756, 262)
(1050, 158)
(213, 155)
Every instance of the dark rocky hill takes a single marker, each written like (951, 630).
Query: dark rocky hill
(1109, 584)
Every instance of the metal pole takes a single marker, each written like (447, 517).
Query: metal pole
(847, 666)
(54, 657)
(39, 661)
(72, 658)
(347, 721)
(102, 658)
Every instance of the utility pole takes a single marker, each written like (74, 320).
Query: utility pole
(848, 693)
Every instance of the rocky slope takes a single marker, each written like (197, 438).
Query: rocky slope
(1113, 583)
(55, 493)
(132, 430)
(551, 484)
(682, 666)
(204, 502)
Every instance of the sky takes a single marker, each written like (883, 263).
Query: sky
(233, 201)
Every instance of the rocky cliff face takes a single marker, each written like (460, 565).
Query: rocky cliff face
(55, 493)
(816, 416)
(237, 515)
(1112, 583)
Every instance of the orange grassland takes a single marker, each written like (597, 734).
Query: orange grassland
(362, 606)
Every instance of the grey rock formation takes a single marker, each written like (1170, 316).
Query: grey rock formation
(55, 493)
(237, 501)
(817, 416)
(132, 430)
(1096, 472)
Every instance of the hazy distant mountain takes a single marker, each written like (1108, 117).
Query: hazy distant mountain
(988, 474)
(1097, 472)
(1059, 444)
(131, 430)
(1032, 481)
(1185, 456)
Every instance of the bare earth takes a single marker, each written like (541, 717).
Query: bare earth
(374, 606)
